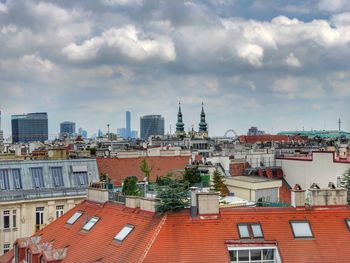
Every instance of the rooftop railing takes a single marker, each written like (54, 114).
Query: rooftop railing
(15, 195)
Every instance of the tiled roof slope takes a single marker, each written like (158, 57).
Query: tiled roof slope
(185, 240)
(120, 168)
(98, 244)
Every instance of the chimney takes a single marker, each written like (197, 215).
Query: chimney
(328, 197)
(194, 208)
(298, 196)
(97, 193)
(208, 205)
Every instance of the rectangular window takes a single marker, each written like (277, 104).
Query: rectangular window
(39, 216)
(6, 218)
(6, 248)
(37, 177)
(253, 254)
(250, 230)
(16, 253)
(90, 223)
(81, 178)
(14, 218)
(57, 178)
(301, 229)
(4, 180)
(347, 221)
(59, 210)
(17, 180)
(74, 217)
(126, 230)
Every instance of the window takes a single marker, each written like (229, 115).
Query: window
(28, 257)
(124, 232)
(39, 215)
(301, 229)
(57, 178)
(37, 177)
(16, 253)
(17, 181)
(74, 217)
(6, 219)
(347, 221)
(253, 254)
(6, 248)
(4, 180)
(14, 218)
(59, 210)
(250, 230)
(90, 223)
(81, 178)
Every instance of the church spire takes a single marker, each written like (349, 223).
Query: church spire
(203, 127)
(180, 126)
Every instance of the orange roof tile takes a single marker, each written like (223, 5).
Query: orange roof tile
(120, 168)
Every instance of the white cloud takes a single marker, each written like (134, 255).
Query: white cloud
(252, 53)
(128, 41)
(3, 8)
(292, 61)
(334, 5)
(297, 87)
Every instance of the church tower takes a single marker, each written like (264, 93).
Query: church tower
(203, 126)
(180, 126)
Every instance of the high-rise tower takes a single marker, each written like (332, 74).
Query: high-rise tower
(128, 125)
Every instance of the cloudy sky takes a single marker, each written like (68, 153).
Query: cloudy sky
(274, 64)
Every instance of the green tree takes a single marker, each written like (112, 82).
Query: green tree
(218, 182)
(130, 186)
(192, 176)
(173, 194)
(145, 168)
(345, 182)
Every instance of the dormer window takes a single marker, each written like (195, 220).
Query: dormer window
(74, 217)
(250, 230)
(90, 223)
(301, 229)
(126, 230)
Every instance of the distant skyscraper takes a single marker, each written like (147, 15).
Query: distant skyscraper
(1, 134)
(253, 131)
(29, 127)
(82, 132)
(67, 129)
(122, 132)
(128, 124)
(151, 125)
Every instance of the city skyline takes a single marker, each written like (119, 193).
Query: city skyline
(278, 65)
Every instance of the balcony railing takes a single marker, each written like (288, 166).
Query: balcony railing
(15, 195)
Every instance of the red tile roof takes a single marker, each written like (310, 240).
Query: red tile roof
(120, 168)
(268, 138)
(177, 237)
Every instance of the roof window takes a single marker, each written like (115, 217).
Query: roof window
(74, 217)
(93, 220)
(250, 230)
(126, 230)
(301, 229)
(347, 221)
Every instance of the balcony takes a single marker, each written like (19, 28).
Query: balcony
(15, 195)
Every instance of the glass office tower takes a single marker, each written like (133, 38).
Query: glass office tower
(30, 127)
(151, 125)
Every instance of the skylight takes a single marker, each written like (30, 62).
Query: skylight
(256, 229)
(250, 230)
(301, 229)
(90, 223)
(348, 223)
(74, 217)
(124, 232)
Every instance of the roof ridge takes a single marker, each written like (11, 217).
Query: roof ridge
(159, 227)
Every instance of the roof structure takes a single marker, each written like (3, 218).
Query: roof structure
(177, 237)
(268, 138)
(120, 168)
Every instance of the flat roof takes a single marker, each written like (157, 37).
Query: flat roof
(250, 179)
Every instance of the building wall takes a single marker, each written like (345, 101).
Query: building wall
(25, 211)
(322, 169)
(151, 125)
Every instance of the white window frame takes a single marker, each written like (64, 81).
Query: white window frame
(74, 217)
(6, 213)
(124, 232)
(39, 211)
(6, 248)
(277, 258)
(59, 210)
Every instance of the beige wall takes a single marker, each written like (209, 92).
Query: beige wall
(25, 216)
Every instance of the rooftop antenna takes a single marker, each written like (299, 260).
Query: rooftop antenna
(339, 124)
(108, 132)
